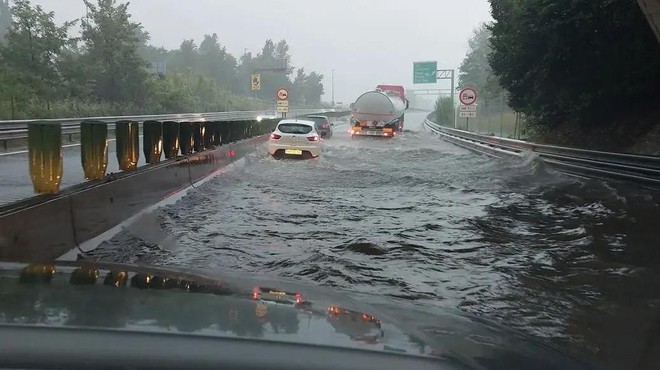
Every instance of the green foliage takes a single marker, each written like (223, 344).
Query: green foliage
(186, 92)
(270, 59)
(31, 51)
(44, 73)
(475, 71)
(215, 62)
(5, 19)
(112, 41)
(584, 61)
(444, 111)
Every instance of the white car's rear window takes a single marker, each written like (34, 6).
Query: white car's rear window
(294, 128)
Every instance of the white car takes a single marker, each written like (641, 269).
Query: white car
(295, 138)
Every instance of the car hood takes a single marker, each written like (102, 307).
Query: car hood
(175, 301)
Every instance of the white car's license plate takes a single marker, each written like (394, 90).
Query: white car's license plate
(293, 151)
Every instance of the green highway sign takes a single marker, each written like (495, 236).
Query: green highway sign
(425, 72)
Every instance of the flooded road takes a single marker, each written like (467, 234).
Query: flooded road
(575, 262)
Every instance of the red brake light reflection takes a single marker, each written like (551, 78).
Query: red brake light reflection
(256, 293)
(275, 136)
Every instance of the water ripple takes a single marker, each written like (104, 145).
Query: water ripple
(418, 219)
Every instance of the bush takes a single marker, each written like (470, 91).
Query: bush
(444, 111)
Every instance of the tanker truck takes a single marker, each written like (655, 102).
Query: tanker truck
(379, 113)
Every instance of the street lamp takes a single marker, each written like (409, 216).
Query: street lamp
(333, 88)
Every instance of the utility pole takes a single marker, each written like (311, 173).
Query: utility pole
(333, 88)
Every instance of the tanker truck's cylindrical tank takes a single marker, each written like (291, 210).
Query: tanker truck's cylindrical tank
(378, 106)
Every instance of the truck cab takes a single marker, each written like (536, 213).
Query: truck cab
(396, 88)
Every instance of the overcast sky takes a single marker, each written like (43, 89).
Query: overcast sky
(366, 42)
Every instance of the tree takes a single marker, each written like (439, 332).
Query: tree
(5, 19)
(112, 42)
(77, 76)
(444, 111)
(33, 45)
(475, 71)
(268, 51)
(282, 57)
(313, 89)
(268, 60)
(574, 60)
(185, 59)
(215, 62)
(297, 92)
(244, 70)
(46, 74)
(147, 52)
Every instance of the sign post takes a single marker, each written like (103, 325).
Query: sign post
(282, 101)
(468, 108)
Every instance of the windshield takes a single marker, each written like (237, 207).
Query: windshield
(508, 172)
(294, 128)
(318, 119)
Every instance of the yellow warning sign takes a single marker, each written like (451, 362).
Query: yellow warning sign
(256, 81)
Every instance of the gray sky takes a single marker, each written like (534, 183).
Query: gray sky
(366, 42)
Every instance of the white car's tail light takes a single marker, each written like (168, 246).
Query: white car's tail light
(313, 138)
(275, 136)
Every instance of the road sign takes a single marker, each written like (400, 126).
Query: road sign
(282, 103)
(425, 72)
(283, 109)
(467, 114)
(282, 93)
(467, 108)
(256, 81)
(468, 96)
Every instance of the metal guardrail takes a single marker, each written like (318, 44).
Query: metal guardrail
(639, 169)
(16, 129)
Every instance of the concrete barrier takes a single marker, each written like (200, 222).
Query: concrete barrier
(42, 229)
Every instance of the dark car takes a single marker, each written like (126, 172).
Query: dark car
(323, 125)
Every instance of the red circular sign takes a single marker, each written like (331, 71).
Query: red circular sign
(468, 96)
(282, 94)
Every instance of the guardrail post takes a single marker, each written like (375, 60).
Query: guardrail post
(263, 127)
(246, 129)
(269, 125)
(209, 135)
(237, 128)
(153, 141)
(45, 156)
(217, 134)
(186, 138)
(227, 137)
(223, 127)
(128, 144)
(250, 129)
(198, 136)
(94, 149)
(171, 139)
